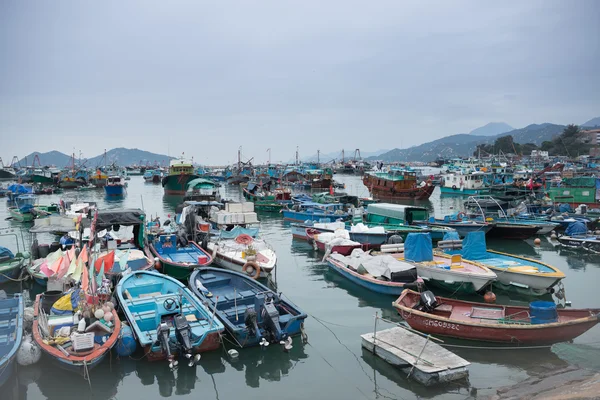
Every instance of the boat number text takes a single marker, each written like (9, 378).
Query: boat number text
(440, 324)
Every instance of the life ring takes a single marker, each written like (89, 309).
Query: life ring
(453, 187)
(460, 215)
(244, 239)
(251, 266)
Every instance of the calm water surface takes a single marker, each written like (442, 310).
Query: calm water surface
(332, 365)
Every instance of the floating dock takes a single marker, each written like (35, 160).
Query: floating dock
(426, 362)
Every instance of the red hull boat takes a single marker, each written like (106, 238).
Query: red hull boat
(345, 249)
(491, 323)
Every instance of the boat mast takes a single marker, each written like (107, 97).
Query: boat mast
(318, 157)
(297, 161)
(269, 150)
(342, 156)
(240, 159)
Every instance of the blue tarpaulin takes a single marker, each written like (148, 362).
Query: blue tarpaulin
(238, 230)
(4, 252)
(474, 246)
(576, 228)
(564, 208)
(19, 189)
(451, 235)
(418, 247)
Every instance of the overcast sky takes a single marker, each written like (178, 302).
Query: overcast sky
(206, 77)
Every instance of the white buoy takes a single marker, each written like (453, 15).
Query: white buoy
(233, 353)
(29, 352)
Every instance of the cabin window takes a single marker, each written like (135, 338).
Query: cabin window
(566, 192)
(385, 183)
(585, 193)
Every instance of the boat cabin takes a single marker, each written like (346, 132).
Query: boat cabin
(395, 214)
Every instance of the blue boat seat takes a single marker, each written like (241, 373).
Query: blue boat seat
(248, 293)
(144, 315)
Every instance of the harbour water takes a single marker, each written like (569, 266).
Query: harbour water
(332, 365)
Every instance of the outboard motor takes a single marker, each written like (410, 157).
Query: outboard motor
(183, 333)
(251, 321)
(428, 300)
(270, 316)
(162, 334)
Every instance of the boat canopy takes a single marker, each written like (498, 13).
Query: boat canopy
(199, 183)
(126, 217)
(576, 228)
(418, 247)
(237, 231)
(398, 211)
(19, 189)
(474, 246)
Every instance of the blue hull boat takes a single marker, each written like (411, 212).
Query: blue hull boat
(403, 275)
(165, 316)
(11, 334)
(114, 190)
(251, 312)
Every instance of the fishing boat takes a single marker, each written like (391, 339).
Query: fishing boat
(83, 351)
(11, 334)
(538, 324)
(366, 236)
(166, 318)
(464, 184)
(115, 186)
(309, 211)
(449, 272)
(179, 259)
(22, 210)
(460, 225)
(181, 171)
(577, 236)
(240, 250)
(251, 313)
(397, 184)
(514, 272)
(398, 219)
(332, 242)
(11, 264)
(381, 273)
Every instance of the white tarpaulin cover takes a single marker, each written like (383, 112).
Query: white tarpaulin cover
(380, 265)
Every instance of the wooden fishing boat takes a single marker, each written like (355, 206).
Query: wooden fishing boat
(249, 310)
(491, 323)
(11, 334)
(176, 260)
(68, 358)
(514, 272)
(449, 272)
(463, 227)
(381, 274)
(22, 210)
(577, 237)
(397, 184)
(165, 316)
(240, 250)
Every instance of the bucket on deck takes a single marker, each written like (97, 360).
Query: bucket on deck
(204, 227)
(543, 312)
(49, 298)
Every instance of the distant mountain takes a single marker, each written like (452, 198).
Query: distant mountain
(119, 156)
(54, 157)
(592, 122)
(125, 157)
(492, 129)
(464, 144)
